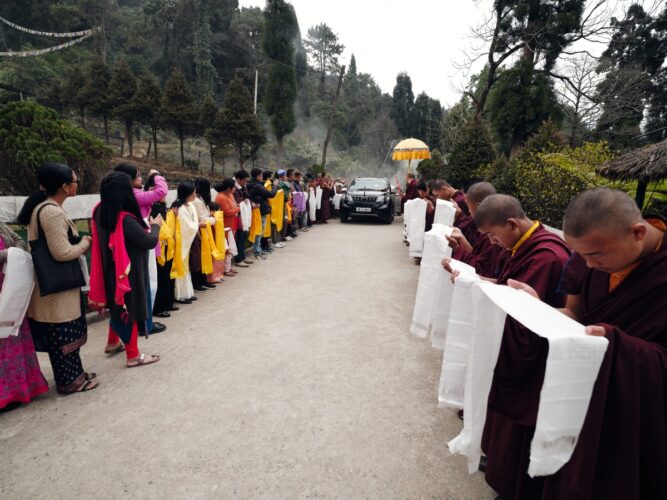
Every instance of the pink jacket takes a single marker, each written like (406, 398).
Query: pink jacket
(147, 198)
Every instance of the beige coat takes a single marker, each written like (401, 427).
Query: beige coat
(63, 306)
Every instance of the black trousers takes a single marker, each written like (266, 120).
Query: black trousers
(164, 297)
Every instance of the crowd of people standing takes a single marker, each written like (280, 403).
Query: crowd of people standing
(148, 258)
(608, 272)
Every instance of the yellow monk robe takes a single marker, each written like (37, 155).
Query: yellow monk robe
(209, 251)
(174, 248)
(220, 240)
(278, 209)
(255, 225)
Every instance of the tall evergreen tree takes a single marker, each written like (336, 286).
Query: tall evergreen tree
(121, 95)
(237, 125)
(148, 100)
(324, 48)
(99, 104)
(472, 149)
(76, 93)
(402, 105)
(208, 112)
(177, 107)
(280, 92)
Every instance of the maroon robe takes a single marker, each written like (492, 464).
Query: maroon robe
(468, 227)
(487, 258)
(410, 193)
(622, 449)
(460, 199)
(519, 372)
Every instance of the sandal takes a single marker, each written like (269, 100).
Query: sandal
(88, 385)
(143, 360)
(90, 376)
(229, 273)
(114, 350)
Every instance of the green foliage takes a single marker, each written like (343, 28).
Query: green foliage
(472, 149)
(402, 103)
(427, 117)
(236, 123)
(454, 120)
(324, 48)
(546, 182)
(147, 101)
(31, 134)
(501, 173)
(432, 169)
(121, 96)
(97, 82)
(177, 108)
(281, 29)
(519, 102)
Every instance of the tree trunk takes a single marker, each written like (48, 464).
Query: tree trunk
(212, 159)
(106, 128)
(154, 129)
(180, 138)
(128, 134)
(642, 184)
(332, 117)
(82, 116)
(148, 151)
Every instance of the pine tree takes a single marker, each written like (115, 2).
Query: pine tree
(177, 107)
(402, 105)
(121, 96)
(472, 149)
(76, 93)
(99, 103)
(147, 101)
(208, 112)
(280, 92)
(236, 123)
(323, 46)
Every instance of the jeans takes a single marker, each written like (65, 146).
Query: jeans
(241, 239)
(258, 239)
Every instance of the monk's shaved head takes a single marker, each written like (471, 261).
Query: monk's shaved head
(496, 209)
(479, 191)
(600, 209)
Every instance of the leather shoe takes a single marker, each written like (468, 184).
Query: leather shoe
(158, 327)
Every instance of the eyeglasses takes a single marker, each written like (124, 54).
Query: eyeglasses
(74, 181)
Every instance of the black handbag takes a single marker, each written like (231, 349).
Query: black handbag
(54, 276)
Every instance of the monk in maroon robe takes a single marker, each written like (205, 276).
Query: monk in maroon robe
(617, 282)
(471, 246)
(537, 257)
(410, 189)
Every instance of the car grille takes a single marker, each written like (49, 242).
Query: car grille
(365, 199)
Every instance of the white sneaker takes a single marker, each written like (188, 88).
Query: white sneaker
(280, 244)
(289, 238)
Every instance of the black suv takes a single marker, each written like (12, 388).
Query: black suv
(368, 197)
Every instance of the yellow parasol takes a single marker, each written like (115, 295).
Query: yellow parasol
(411, 149)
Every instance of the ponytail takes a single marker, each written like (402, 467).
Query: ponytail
(29, 207)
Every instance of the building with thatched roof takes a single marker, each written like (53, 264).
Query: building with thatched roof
(647, 164)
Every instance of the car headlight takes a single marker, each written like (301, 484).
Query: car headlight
(381, 201)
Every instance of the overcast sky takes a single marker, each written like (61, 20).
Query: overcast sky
(425, 38)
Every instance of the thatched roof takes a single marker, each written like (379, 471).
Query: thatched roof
(648, 163)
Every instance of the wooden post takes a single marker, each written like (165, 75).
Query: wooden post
(642, 185)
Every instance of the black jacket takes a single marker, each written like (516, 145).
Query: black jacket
(259, 195)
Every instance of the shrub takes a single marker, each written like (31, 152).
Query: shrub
(501, 173)
(31, 134)
(473, 149)
(434, 168)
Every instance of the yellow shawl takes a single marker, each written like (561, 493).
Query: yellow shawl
(277, 209)
(209, 250)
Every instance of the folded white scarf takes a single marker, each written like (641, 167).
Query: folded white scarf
(436, 248)
(416, 224)
(444, 213)
(246, 215)
(16, 291)
(572, 367)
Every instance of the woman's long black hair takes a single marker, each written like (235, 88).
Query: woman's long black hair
(184, 191)
(127, 168)
(116, 195)
(50, 176)
(203, 187)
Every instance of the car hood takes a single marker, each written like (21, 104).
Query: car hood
(367, 192)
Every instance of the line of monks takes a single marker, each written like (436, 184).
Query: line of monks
(610, 274)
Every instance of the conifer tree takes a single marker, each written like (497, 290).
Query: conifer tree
(177, 107)
(121, 95)
(99, 103)
(147, 104)
(472, 149)
(208, 113)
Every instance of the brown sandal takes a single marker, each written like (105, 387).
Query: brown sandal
(143, 360)
(88, 385)
(115, 350)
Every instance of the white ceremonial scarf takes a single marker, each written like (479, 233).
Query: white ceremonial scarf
(445, 213)
(452, 331)
(246, 215)
(572, 367)
(312, 204)
(16, 291)
(416, 226)
(318, 196)
(436, 248)
(231, 242)
(187, 216)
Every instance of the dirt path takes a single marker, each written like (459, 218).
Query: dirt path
(296, 379)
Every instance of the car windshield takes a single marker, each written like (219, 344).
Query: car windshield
(369, 184)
